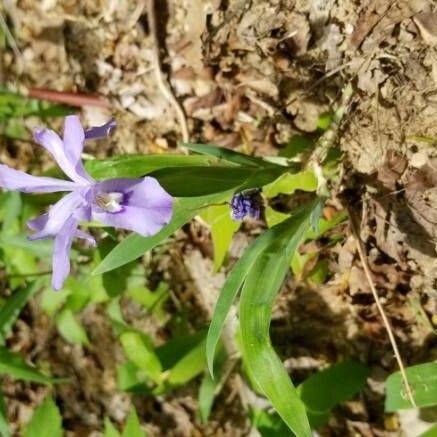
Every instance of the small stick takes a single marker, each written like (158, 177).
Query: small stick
(162, 82)
(359, 243)
(67, 98)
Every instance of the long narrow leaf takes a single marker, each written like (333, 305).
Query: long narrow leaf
(11, 309)
(257, 296)
(230, 289)
(13, 365)
(228, 155)
(4, 428)
(204, 180)
(131, 166)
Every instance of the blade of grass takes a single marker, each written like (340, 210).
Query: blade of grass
(257, 296)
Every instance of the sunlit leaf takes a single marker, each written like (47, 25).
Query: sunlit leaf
(320, 272)
(110, 430)
(70, 328)
(423, 381)
(189, 366)
(222, 230)
(133, 379)
(274, 217)
(141, 354)
(288, 183)
(46, 420)
(133, 427)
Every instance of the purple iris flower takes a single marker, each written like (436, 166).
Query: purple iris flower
(139, 205)
(246, 203)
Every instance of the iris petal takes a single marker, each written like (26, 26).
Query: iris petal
(146, 210)
(50, 224)
(94, 133)
(61, 253)
(66, 153)
(12, 179)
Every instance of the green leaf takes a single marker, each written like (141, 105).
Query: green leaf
(132, 379)
(11, 309)
(431, 432)
(133, 427)
(203, 180)
(288, 183)
(320, 272)
(152, 301)
(269, 425)
(135, 245)
(171, 352)
(274, 217)
(46, 420)
(131, 166)
(206, 396)
(423, 381)
(229, 291)
(298, 144)
(257, 296)
(110, 429)
(228, 155)
(70, 328)
(52, 301)
(325, 121)
(324, 390)
(209, 387)
(141, 354)
(40, 248)
(13, 365)
(191, 365)
(222, 230)
(4, 427)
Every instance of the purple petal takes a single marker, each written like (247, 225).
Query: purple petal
(94, 133)
(85, 236)
(67, 153)
(74, 140)
(37, 224)
(12, 179)
(61, 253)
(50, 224)
(147, 210)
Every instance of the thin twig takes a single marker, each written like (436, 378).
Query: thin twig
(359, 243)
(161, 80)
(66, 98)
